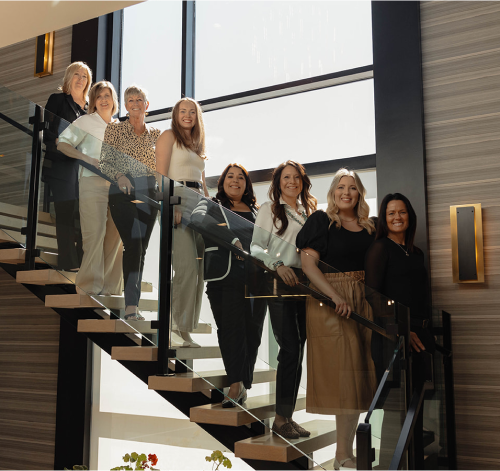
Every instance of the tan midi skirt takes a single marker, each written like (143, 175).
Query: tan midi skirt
(340, 371)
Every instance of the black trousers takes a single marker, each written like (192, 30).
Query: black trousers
(68, 232)
(239, 323)
(288, 319)
(135, 224)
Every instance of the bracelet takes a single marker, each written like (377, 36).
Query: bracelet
(119, 175)
(277, 264)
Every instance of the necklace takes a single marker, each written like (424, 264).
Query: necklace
(347, 220)
(400, 246)
(292, 216)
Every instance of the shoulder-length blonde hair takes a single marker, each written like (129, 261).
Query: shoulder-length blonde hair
(362, 209)
(94, 93)
(309, 202)
(68, 76)
(197, 131)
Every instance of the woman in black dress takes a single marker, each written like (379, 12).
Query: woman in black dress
(62, 172)
(395, 267)
(340, 371)
(239, 319)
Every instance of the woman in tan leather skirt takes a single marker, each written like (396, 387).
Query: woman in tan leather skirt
(341, 375)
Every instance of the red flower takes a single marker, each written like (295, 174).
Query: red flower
(153, 459)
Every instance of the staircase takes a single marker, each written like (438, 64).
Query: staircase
(196, 394)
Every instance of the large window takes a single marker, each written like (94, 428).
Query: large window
(327, 124)
(247, 45)
(152, 51)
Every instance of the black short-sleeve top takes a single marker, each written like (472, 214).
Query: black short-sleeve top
(341, 249)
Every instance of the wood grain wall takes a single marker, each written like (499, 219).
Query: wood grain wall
(29, 348)
(17, 64)
(461, 72)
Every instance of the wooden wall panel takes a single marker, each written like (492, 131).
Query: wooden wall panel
(461, 72)
(29, 348)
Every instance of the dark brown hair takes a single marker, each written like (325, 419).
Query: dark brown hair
(248, 197)
(309, 202)
(383, 230)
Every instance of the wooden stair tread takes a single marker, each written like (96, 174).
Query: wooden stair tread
(270, 447)
(46, 277)
(254, 409)
(71, 301)
(59, 277)
(118, 326)
(202, 381)
(151, 353)
(327, 465)
(15, 237)
(17, 256)
(8, 222)
(20, 212)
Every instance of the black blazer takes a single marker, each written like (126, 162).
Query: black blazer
(206, 219)
(62, 110)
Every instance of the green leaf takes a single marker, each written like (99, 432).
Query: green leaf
(134, 457)
(126, 458)
(142, 457)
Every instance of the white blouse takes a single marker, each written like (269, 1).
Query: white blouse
(270, 248)
(86, 134)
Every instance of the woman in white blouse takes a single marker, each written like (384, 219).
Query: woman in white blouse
(101, 268)
(276, 227)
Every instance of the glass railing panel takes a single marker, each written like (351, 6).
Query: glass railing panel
(15, 164)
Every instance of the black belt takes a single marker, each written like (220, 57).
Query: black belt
(424, 323)
(192, 184)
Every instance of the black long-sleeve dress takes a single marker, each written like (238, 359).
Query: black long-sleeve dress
(62, 176)
(340, 371)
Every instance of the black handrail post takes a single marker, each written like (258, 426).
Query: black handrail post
(449, 393)
(165, 282)
(365, 452)
(34, 190)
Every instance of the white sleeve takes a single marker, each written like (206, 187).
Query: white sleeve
(262, 234)
(73, 135)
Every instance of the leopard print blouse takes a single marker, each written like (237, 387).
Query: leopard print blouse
(126, 152)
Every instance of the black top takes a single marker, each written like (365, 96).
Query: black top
(62, 110)
(341, 249)
(399, 277)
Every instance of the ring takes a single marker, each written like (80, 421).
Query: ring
(124, 187)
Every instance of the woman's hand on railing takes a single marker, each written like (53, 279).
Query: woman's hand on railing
(238, 244)
(415, 343)
(287, 275)
(177, 217)
(342, 307)
(124, 184)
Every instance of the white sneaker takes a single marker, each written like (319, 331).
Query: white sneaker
(187, 337)
(177, 341)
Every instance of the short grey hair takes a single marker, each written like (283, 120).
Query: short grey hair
(135, 90)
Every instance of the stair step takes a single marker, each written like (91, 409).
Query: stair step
(254, 409)
(202, 381)
(55, 277)
(270, 447)
(10, 236)
(326, 466)
(71, 301)
(17, 257)
(46, 277)
(20, 212)
(151, 353)
(117, 326)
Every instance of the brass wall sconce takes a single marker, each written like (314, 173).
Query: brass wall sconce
(467, 243)
(44, 55)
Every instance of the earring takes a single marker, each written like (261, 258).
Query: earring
(146, 113)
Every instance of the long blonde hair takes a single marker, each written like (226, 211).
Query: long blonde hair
(197, 132)
(68, 76)
(362, 209)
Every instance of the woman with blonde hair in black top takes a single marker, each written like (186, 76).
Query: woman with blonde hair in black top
(340, 371)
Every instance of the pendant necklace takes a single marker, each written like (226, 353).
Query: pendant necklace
(401, 247)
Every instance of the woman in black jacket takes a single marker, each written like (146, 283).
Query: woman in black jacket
(239, 319)
(62, 172)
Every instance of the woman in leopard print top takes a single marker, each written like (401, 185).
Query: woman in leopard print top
(128, 158)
